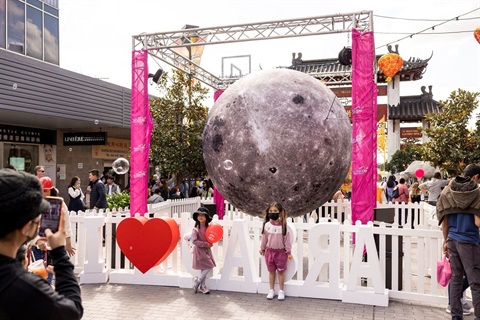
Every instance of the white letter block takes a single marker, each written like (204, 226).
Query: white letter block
(323, 254)
(370, 269)
(94, 271)
(238, 255)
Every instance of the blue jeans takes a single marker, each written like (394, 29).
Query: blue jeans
(464, 259)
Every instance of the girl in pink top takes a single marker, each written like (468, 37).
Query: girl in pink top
(276, 246)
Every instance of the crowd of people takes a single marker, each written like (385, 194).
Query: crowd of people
(164, 189)
(408, 190)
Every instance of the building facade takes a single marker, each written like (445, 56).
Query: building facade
(66, 121)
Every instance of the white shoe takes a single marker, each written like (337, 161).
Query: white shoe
(270, 294)
(281, 295)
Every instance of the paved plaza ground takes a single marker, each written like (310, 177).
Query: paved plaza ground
(135, 302)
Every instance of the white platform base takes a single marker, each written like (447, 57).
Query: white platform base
(366, 297)
(97, 277)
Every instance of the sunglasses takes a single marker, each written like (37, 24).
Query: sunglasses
(41, 170)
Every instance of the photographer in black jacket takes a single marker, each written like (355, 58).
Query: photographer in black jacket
(25, 295)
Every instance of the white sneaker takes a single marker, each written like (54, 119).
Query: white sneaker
(270, 294)
(281, 295)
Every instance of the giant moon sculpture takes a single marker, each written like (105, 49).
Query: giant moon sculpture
(277, 135)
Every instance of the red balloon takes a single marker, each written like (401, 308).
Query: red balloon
(214, 233)
(419, 173)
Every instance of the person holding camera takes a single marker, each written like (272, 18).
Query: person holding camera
(25, 295)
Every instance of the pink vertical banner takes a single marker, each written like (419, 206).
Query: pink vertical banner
(217, 197)
(364, 137)
(141, 125)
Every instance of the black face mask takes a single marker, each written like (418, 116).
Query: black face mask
(273, 215)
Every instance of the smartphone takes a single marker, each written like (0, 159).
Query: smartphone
(50, 218)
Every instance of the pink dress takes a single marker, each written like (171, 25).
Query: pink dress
(202, 254)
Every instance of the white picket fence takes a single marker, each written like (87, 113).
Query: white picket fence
(326, 264)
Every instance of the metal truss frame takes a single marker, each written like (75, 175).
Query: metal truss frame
(160, 45)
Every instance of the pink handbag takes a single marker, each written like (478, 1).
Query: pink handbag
(444, 272)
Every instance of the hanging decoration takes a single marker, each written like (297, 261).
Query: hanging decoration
(476, 34)
(390, 64)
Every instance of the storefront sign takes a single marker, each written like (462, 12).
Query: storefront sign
(27, 135)
(410, 133)
(112, 150)
(343, 92)
(84, 138)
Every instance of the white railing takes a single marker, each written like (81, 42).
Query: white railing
(327, 263)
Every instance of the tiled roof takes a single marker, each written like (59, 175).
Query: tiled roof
(412, 69)
(414, 107)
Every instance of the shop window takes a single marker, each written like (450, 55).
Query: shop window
(20, 155)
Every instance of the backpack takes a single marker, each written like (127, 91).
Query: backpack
(395, 193)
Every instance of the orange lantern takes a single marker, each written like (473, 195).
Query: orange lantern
(476, 34)
(390, 63)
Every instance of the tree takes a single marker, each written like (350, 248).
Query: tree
(452, 145)
(401, 159)
(179, 119)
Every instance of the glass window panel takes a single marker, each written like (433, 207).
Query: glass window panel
(34, 33)
(21, 153)
(16, 26)
(51, 39)
(53, 3)
(3, 24)
(51, 10)
(35, 3)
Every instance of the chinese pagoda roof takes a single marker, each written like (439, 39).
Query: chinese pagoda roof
(414, 108)
(332, 71)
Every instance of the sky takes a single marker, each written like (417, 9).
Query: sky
(96, 35)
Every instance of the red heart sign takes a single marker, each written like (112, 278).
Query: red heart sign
(147, 242)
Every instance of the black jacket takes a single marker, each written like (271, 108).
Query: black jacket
(97, 195)
(24, 295)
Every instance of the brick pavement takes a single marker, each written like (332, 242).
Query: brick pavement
(135, 302)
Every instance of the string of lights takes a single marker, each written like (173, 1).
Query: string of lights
(410, 35)
(427, 33)
(413, 19)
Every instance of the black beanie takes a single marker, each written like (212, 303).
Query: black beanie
(21, 200)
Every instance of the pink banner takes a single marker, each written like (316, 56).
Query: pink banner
(141, 125)
(217, 197)
(364, 133)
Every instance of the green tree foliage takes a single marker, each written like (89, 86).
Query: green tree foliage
(452, 145)
(401, 159)
(179, 119)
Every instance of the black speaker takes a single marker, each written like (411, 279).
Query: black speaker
(345, 56)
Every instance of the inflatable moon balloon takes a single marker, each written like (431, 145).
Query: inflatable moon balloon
(277, 135)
